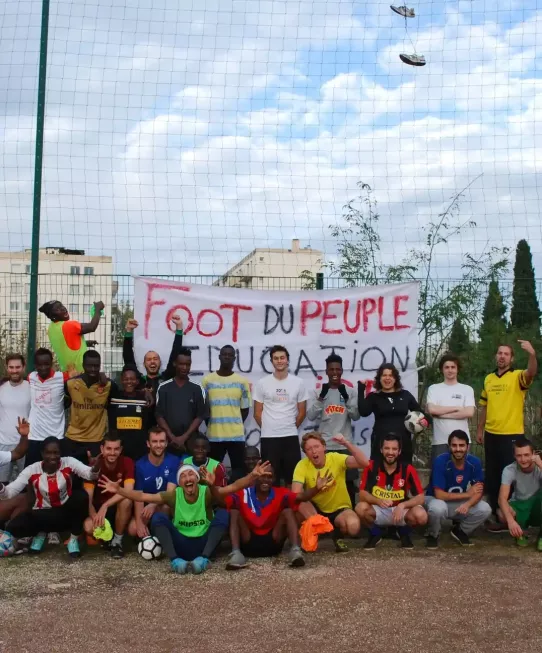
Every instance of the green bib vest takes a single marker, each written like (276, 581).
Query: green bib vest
(190, 519)
(211, 465)
(64, 354)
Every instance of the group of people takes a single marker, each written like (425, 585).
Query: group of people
(132, 455)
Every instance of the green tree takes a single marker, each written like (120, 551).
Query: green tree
(525, 311)
(458, 342)
(120, 314)
(360, 262)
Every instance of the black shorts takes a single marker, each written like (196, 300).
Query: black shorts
(332, 516)
(283, 454)
(262, 546)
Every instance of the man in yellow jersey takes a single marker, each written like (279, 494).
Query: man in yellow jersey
(333, 501)
(66, 336)
(88, 396)
(501, 418)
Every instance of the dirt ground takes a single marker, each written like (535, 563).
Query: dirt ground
(484, 599)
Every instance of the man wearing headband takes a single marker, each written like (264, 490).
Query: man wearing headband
(66, 336)
(190, 539)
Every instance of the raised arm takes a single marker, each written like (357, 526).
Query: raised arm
(532, 364)
(23, 428)
(365, 403)
(217, 493)
(169, 372)
(357, 459)
(90, 327)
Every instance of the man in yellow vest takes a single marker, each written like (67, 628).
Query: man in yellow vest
(66, 336)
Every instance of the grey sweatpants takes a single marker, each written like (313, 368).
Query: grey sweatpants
(438, 511)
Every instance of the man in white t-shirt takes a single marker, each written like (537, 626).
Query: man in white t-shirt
(46, 404)
(450, 403)
(280, 406)
(14, 404)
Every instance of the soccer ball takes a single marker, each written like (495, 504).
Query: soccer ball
(7, 544)
(149, 548)
(415, 422)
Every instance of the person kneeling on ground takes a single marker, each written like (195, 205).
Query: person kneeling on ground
(113, 507)
(524, 508)
(262, 517)
(10, 508)
(333, 501)
(384, 495)
(57, 505)
(455, 492)
(191, 538)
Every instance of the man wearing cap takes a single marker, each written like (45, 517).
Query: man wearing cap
(194, 533)
(66, 335)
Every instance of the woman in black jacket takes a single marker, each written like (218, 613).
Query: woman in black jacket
(390, 405)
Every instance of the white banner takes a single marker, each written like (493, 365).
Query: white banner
(365, 326)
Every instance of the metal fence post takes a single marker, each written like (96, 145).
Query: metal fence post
(38, 168)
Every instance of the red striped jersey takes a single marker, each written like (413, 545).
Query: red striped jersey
(50, 490)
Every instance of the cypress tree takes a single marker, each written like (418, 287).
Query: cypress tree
(458, 342)
(525, 313)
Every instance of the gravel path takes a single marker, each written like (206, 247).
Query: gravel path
(486, 599)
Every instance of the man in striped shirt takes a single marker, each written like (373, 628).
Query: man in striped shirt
(57, 505)
(229, 402)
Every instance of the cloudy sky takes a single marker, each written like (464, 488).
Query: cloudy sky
(181, 134)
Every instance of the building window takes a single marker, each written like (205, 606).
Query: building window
(27, 306)
(86, 308)
(27, 288)
(14, 325)
(75, 269)
(74, 308)
(89, 271)
(88, 290)
(74, 290)
(16, 288)
(27, 269)
(14, 306)
(261, 258)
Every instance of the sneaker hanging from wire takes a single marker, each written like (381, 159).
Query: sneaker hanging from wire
(404, 11)
(413, 59)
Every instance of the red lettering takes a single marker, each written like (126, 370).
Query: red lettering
(188, 324)
(368, 308)
(330, 316)
(381, 325)
(358, 316)
(235, 317)
(157, 302)
(307, 315)
(201, 316)
(397, 312)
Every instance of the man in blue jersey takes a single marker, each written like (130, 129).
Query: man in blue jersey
(455, 492)
(155, 472)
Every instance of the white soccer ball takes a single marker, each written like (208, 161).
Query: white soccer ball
(7, 544)
(413, 422)
(149, 548)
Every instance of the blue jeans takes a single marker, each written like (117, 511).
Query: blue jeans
(176, 545)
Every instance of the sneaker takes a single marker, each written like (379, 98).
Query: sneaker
(236, 560)
(431, 542)
(53, 538)
(117, 552)
(391, 533)
(406, 542)
(522, 541)
(295, 557)
(372, 542)
(199, 565)
(496, 527)
(179, 566)
(340, 546)
(413, 59)
(403, 11)
(539, 545)
(38, 542)
(460, 536)
(73, 547)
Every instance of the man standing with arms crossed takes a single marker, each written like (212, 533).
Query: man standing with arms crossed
(280, 406)
(501, 419)
(450, 403)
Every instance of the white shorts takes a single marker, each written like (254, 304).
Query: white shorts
(384, 517)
